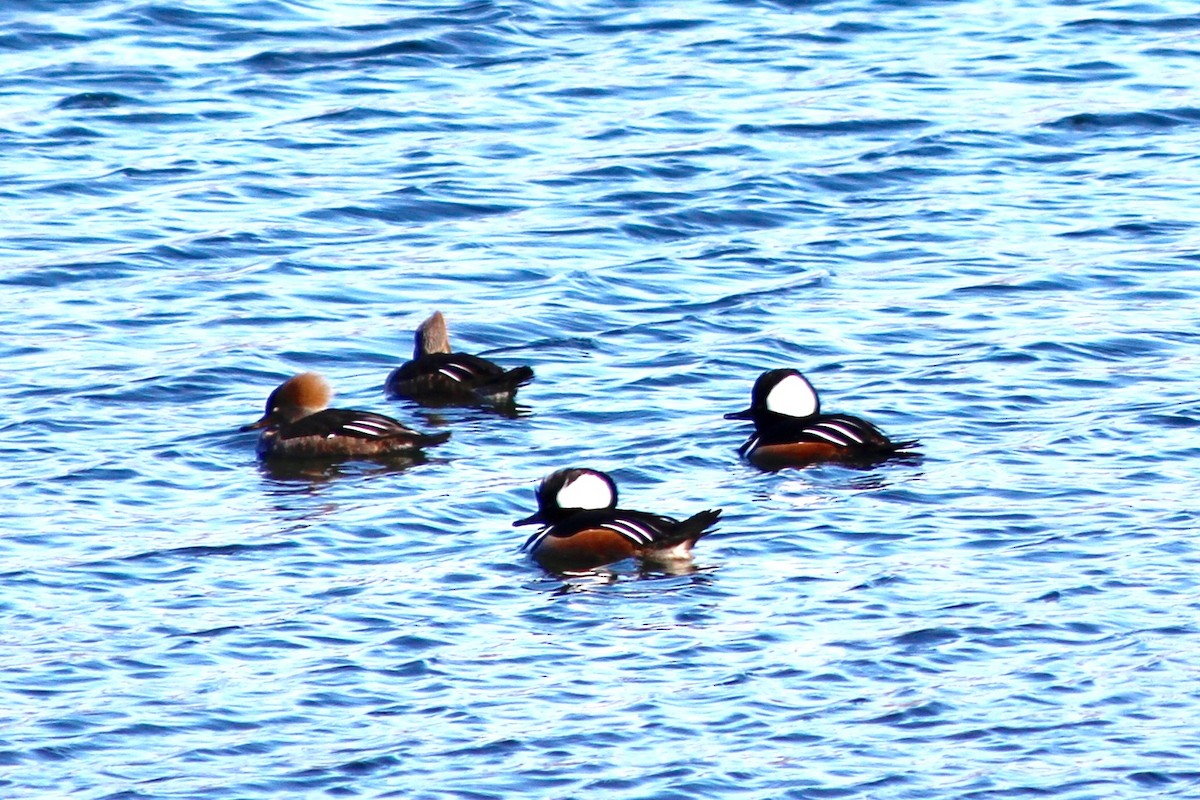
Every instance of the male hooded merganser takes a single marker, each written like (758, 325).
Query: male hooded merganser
(791, 431)
(436, 375)
(297, 424)
(583, 528)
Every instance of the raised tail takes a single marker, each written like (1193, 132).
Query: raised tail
(502, 386)
(431, 439)
(904, 448)
(679, 542)
(518, 376)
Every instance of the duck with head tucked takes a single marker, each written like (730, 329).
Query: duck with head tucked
(791, 431)
(299, 424)
(436, 375)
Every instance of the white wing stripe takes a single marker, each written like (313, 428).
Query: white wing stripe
(634, 531)
(829, 437)
(532, 542)
(637, 532)
(845, 429)
(368, 427)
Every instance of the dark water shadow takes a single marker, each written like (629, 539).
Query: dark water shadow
(509, 409)
(311, 473)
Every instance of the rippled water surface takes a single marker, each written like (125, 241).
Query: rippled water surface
(973, 223)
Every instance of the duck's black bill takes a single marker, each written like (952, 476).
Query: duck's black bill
(747, 414)
(532, 519)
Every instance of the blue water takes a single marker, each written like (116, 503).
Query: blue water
(972, 223)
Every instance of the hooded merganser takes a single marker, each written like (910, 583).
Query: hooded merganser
(436, 375)
(298, 424)
(791, 431)
(583, 528)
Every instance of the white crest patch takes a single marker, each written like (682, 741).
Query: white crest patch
(588, 491)
(794, 397)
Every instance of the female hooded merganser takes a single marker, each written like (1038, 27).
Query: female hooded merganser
(436, 375)
(583, 528)
(297, 424)
(791, 431)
